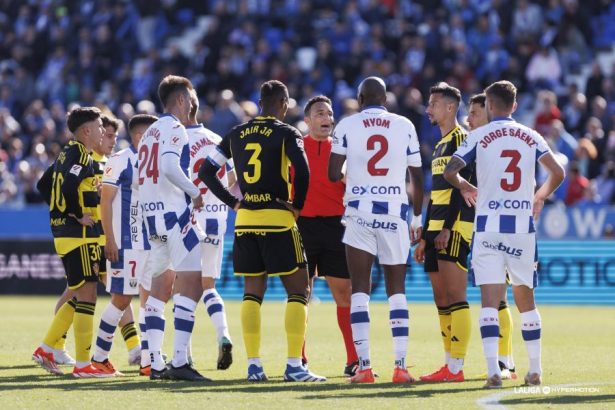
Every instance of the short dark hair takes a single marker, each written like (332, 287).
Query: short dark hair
(272, 90)
(478, 99)
(79, 116)
(503, 93)
(170, 85)
(314, 100)
(141, 119)
(108, 120)
(447, 91)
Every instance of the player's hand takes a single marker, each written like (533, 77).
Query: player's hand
(99, 186)
(539, 203)
(237, 206)
(469, 193)
(111, 251)
(419, 252)
(290, 207)
(441, 240)
(197, 203)
(85, 220)
(416, 229)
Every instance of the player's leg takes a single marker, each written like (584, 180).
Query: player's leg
(488, 266)
(505, 357)
(60, 353)
(341, 290)
(521, 259)
(109, 321)
(248, 262)
(440, 296)
(211, 263)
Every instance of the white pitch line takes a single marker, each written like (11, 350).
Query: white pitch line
(492, 401)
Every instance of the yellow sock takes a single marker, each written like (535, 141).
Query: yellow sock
(60, 344)
(60, 325)
(83, 325)
(295, 319)
(506, 327)
(445, 328)
(251, 324)
(130, 335)
(461, 328)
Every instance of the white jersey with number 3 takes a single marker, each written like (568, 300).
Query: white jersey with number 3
(506, 153)
(214, 212)
(163, 203)
(379, 146)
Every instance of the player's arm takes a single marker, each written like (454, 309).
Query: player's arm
(296, 155)
(44, 184)
(465, 154)
(108, 192)
(171, 169)
(555, 178)
(337, 158)
(75, 172)
(209, 169)
(414, 162)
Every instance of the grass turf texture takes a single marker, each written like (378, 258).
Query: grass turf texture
(577, 349)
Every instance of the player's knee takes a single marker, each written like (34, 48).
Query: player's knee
(208, 283)
(120, 301)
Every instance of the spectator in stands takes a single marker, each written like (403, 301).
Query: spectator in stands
(577, 184)
(547, 112)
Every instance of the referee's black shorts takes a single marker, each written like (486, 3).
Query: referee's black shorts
(322, 239)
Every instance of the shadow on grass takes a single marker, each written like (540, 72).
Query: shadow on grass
(561, 399)
(322, 390)
(19, 367)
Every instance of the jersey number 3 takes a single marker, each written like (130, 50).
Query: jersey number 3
(512, 168)
(148, 162)
(383, 148)
(253, 177)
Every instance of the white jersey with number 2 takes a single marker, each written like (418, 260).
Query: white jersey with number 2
(506, 153)
(379, 146)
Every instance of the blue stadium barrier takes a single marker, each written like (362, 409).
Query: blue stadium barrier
(571, 271)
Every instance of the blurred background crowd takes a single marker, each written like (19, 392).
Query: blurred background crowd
(112, 53)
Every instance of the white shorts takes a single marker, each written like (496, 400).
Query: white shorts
(125, 275)
(169, 252)
(384, 236)
(211, 258)
(494, 253)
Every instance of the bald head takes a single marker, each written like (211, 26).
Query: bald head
(372, 91)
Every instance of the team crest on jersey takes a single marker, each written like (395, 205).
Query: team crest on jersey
(133, 283)
(300, 143)
(76, 169)
(108, 171)
(175, 141)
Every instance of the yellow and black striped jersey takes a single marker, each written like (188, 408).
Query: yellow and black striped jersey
(447, 209)
(69, 186)
(262, 150)
(100, 162)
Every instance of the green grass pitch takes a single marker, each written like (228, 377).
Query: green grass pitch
(578, 365)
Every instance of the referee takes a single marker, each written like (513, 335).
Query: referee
(320, 221)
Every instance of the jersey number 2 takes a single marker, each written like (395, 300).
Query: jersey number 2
(195, 173)
(513, 168)
(383, 148)
(148, 162)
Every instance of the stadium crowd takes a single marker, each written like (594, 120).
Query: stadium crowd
(58, 53)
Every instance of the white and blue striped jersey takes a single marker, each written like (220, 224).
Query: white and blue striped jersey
(379, 146)
(165, 205)
(212, 217)
(121, 172)
(506, 153)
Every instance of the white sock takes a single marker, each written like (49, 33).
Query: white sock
(106, 329)
(145, 360)
(399, 319)
(507, 360)
(256, 361)
(183, 313)
(294, 361)
(455, 365)
(215, 309)
(447, 357)
(154, 320)
(490, 331)
(359, 321)
(531, 329)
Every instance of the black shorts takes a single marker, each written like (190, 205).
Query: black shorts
(326, 253)
(82, 265)
(273, 253)
(102, 265)
(457, 251)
